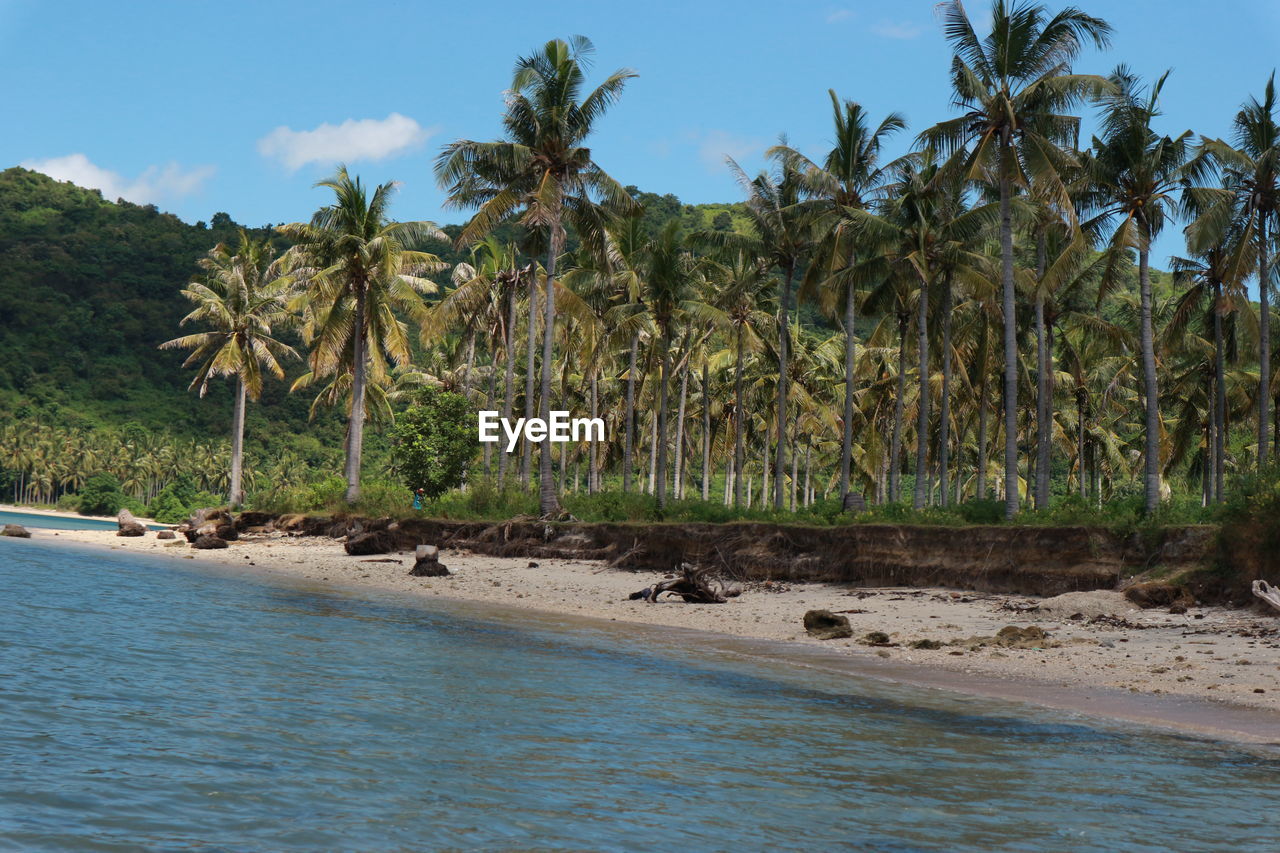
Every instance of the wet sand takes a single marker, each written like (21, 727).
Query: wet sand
(1100, 651)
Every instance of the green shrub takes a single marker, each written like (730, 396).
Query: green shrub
(101, 495)
(981, 511)
(612, 506)
(68, 503)
(434, 440)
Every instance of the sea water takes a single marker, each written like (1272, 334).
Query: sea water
(147, 703)
(36, 520)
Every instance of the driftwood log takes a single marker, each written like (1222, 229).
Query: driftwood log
(693, 586)
(1267, 592)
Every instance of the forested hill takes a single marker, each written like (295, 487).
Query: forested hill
(88, 289)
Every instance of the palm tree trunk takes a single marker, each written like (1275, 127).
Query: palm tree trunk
(526, 458)
(629, 446)
(1043, 393)
(490, 396)
(548, 502)
(895, 445)
(1042, 410)
(1264, 345)
(740, 424)
(470, 360)
(237, 445)
(1080, 427)
(355, 435)
(680, 414)
(780, 452)
(1151, 467)
(1206, 469)
(1010, 323)
(509, 380)
(706, 433)
(593, 469)
(922, 406)
(660, 476)
(846, 438)
(1219, 393)
(653, 454)
(984, 394)
(795, 465)
(944, 428)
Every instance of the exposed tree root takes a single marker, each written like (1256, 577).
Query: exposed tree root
(692, 585)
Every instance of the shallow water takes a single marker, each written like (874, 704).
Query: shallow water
(57, 522)
(162, 706)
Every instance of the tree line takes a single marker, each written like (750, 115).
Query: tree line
(983, 318)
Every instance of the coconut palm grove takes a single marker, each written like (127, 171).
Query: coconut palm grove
(973, 331)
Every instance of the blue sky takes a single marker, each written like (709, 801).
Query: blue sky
(200, 107)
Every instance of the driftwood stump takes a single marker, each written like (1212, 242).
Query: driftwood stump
(692, 585)
(1267, 592)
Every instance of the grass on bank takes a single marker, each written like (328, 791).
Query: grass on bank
(1254, 497)
(485, 501)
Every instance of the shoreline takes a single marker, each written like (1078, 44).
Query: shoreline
(1193, 675)
(57, 513)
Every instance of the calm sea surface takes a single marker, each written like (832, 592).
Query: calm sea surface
(57, 522)
(145, 705)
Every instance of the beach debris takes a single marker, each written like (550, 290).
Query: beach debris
(693, 586)
(825, 625)
(374, 542)
(1024, 606)
(876, 638)
(427, 563)
(209, 543)
(1013, 637)
(1089, 605)
(929, 645)
(1267, 592)
(1159, 594)
(166, 534)
(17, 531)
(128, 525)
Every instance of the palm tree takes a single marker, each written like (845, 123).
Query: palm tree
(241, 298)
(1252, 171)
(357, 270)
(849, 178)
(1137, 173)
(542, 168)
(783, 236)
(740, 289)
(1215, 275)
(1013, 86)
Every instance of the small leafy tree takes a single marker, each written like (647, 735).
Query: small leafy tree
(101, 495)
(434, 440)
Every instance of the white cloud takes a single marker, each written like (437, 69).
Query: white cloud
(715, 145)
(839, 15)
(896, 29)
(354, 139)
(156, 183)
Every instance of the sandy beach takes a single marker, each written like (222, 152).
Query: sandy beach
(1094, 640)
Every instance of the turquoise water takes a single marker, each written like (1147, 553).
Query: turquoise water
(157, 705)
(57, 522)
